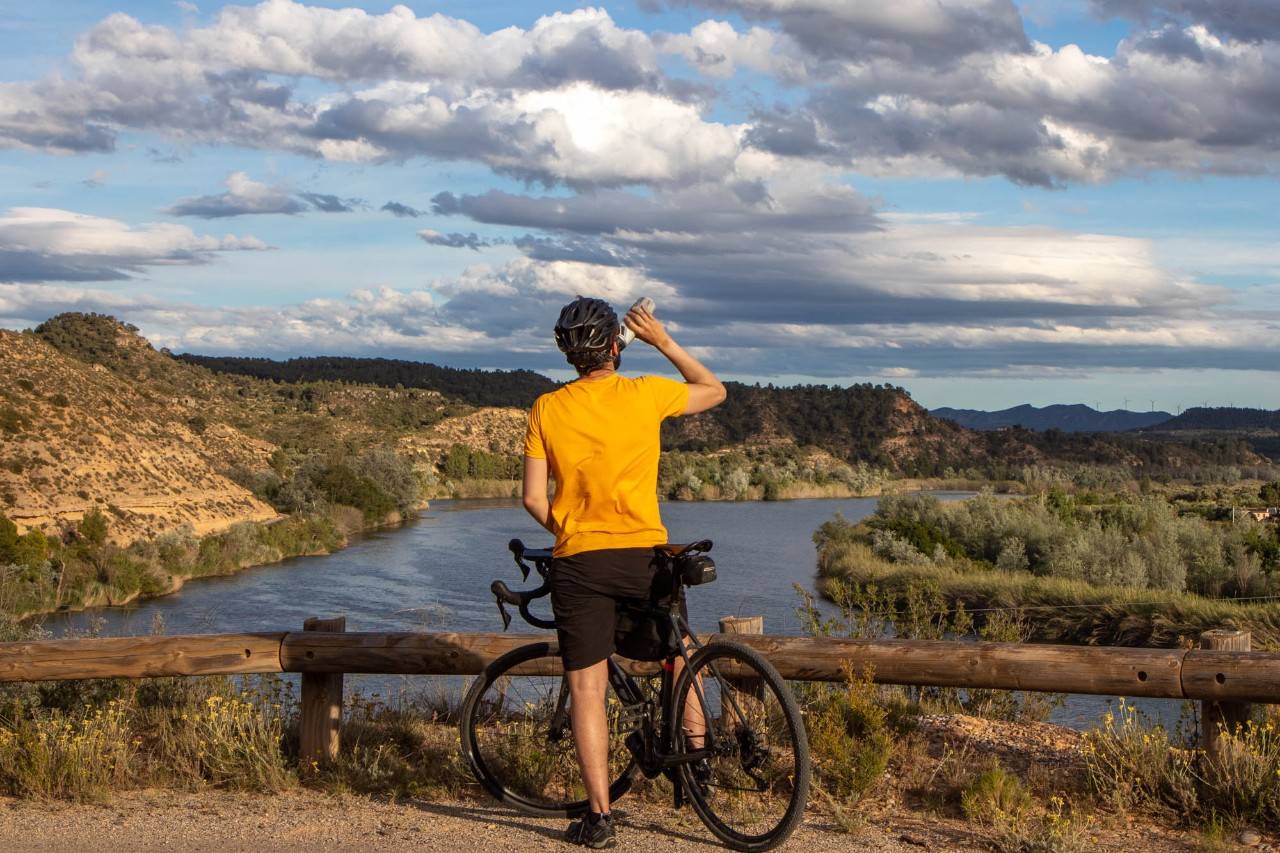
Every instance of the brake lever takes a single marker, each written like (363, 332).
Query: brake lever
(506, 617)
(524, 568)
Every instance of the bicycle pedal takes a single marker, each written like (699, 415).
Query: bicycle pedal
(633, 716)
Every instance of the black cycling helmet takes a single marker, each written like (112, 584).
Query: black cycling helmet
(586, 325)
(586, 331)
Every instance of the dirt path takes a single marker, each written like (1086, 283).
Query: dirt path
(310, 821)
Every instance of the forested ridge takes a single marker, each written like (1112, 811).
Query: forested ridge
(1224, 418)
(862, 423)
(477, 387)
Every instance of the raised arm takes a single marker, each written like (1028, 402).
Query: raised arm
(705, 390)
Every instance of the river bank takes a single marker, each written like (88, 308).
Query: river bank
(497, 488)
(1129, 570)
(163, 567)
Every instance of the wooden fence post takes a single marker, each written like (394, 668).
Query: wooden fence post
(744, 625)
(321, 704)
(1219, 717)
(741, 624)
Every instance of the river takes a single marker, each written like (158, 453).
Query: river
(434, 574)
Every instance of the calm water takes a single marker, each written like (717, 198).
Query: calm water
(434, 574)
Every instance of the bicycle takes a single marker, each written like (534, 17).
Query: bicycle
(748, 781)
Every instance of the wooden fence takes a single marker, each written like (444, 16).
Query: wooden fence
(1223, 673)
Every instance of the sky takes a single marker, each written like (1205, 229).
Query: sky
(985, 202)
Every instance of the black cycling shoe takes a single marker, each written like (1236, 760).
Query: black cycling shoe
(597, 834)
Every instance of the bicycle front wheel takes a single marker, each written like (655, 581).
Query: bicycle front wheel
(752, 790)
(518, 741)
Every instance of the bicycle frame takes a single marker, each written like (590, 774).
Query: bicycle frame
(657, 753)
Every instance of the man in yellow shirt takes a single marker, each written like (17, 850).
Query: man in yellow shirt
(598, 437)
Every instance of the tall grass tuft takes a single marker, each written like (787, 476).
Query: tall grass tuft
(78, 757)
(1137, 767)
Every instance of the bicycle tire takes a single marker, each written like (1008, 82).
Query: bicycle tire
(474, 755)
(699, 798)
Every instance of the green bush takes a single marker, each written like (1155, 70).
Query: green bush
(13, 421)
(461, 463)
(995, 796)
(93, 527)
(341, 485)
(849, 738)
(30, 549)
(1130, 541)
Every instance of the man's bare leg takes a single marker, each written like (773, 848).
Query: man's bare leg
(591, 730)
(694, 724)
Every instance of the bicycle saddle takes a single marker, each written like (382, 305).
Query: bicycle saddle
(671, 550)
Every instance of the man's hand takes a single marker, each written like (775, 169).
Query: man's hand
(647, 327)
(705, 390)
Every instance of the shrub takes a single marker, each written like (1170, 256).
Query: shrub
(80, 756)
(394, 475)
(12, 421)
(1131, 765)
(995, 796)
(408, 750)
(849, 737)
(340, 484)
(93, 527)
(232, 739)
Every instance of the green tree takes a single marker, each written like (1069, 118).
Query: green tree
(93, 527)
(457, 462)
(8, 540)
(31, 550)
(1270, 493)
(342, 485)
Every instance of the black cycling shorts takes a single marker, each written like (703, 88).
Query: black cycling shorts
(585, 591)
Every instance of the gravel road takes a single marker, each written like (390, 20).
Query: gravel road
(311, 821)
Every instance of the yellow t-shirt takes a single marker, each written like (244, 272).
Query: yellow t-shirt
(600, 440)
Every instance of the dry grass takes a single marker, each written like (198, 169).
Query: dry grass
(1134, 767)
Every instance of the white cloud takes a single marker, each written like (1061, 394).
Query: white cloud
(45, 244)
(718, 50)
(245, 196)
(574, 98)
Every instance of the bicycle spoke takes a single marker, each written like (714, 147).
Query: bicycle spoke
(521, 738)
(752, 785)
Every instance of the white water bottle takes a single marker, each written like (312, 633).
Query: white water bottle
(626, 336)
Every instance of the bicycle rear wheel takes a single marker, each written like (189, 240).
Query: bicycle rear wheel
(518, 741)
(758, 785)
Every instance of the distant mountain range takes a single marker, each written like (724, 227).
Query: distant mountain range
(1074, 418)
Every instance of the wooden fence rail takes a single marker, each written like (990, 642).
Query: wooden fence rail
(1216, 675)
(1105, 670)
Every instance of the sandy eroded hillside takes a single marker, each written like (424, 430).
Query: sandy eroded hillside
(75, 436)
